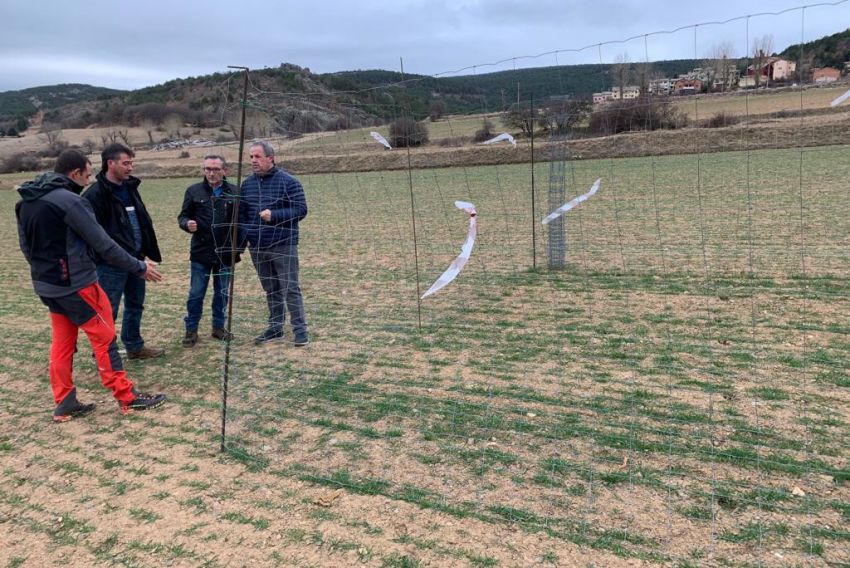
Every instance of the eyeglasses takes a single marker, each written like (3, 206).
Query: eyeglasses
(212, 170)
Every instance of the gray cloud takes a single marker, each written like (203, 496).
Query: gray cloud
(134, 45)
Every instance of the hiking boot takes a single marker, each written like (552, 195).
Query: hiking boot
(301, 339)
(221, 334)
(191, 338)
(70, 407)
(142, 401)
(146, 353)
(268, 336)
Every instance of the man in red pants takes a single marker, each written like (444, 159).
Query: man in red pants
(60, 237)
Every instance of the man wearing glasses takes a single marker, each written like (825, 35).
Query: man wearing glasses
(207, 214)
(119, 209)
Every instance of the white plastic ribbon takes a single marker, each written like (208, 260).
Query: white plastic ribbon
(466, 250)
(381, 139)
(572, 203)
(840, 99)
(500, 137)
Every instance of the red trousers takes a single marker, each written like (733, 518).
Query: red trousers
(100, 330)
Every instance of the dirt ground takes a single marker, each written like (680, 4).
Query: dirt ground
(676, 396)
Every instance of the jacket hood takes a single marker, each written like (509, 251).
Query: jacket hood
(45, 183)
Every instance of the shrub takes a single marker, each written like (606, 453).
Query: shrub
(484, 133)
(304, 123)
(452, 142)
(520, 117)
(721, 119)
(436, 110)
(185, 154)
(341, 122)
(560, 117)
(636, 114)
(20, 162)
(407, 132)
(54, 149)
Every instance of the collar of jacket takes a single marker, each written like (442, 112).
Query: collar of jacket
(226, 187)
(270, 173)
(132, 182)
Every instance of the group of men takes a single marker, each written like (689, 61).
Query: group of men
(89, 250)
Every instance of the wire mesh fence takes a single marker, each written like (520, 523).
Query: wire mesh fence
(670, 383)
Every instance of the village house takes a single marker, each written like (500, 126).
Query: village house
(725, 80)
(629, 92)
(661, 86)
(781, 69)
(771, 69)
(823, 75)
(687, 86)
(599, 98)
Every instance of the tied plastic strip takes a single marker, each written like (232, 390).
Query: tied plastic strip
(466, 250)
(572, 203)
(500, 137)
(840, 99)
(381, 139)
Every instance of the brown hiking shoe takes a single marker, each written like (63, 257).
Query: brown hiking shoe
(221, 334)
(191, 338)
(146, 353)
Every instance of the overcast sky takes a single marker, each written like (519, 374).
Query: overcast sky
(127, 45)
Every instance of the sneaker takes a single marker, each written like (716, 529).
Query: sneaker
(191, 338)
(70, 407)
(221, 334)
(142, 401)
(301, 339)
(268, 336)
(146, 353)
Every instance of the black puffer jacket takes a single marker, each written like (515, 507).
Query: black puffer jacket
(112, 216)
(214, 216)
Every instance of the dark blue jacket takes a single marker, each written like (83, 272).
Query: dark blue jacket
(283, 195)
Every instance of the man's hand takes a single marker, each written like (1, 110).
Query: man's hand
(151, 273)
(192, 226)
(266, 215)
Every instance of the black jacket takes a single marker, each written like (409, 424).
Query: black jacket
(58, 235)
(214, 216)
(112, 216)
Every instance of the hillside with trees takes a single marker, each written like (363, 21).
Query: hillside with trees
(290, 99)
(829, 51)
(294, 99)
(17, 107)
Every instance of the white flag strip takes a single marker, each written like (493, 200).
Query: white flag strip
(572, 203)
(466, 250)
(381, 139)
(840, 99)
(500, 137)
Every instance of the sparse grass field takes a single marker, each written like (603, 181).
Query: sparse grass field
(678, 395)
(706, 106)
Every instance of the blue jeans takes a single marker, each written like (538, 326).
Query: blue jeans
(200, 278)
(277, 268)
(116, 283)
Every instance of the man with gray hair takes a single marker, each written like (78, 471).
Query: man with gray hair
(272, 203)
(207, 214)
